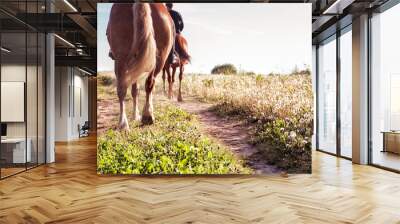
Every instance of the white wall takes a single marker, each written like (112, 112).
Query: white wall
(33, 126)
(70, 83)
(80, 84)
(15, 73)
(12, 73)
(62, 82)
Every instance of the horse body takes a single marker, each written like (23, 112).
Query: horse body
(184, 58)
(140, 36)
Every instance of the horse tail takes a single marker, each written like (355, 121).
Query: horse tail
(143, 49)
(182, 49)
(110, 54)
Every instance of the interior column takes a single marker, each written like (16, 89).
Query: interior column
(360, 90)
(50, 92)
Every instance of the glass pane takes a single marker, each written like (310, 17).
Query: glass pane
(41, 99)
(346, 93)
(31, 98)
(327, 96)
(79, 104)
(13, 84)
(23, 82)
(386, 89)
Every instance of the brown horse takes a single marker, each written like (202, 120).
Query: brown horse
(140, 36)
(184, 58)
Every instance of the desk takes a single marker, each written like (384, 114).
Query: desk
(391, 141)
(13, 150)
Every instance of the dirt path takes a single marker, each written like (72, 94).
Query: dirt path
(233, 134)
(107, 114)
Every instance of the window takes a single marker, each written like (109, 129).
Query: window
(346, 92)
(22, 75)
(327, 95)
(385, 89)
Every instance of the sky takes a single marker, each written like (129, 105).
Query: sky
(257, 37)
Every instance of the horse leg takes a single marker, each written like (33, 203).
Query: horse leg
(180, 83)
(163, 79)
(135, 97)
(121, 90)
(148, 117)
(169, 77)
(122, 86)
(171, 84)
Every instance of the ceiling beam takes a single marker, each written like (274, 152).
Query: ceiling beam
(320, 22)
(78, 61)
(338, 6)
(86, 26)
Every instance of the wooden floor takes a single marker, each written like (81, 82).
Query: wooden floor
(70, 191)
(5, 172)
(386, 159)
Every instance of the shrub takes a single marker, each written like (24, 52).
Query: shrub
(225, 69)
(250, 73)
(306, 71)
(105, 80)
(208, 83)
(259, 80)
(273, 74)
(297, 71)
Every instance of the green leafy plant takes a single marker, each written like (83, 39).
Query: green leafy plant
(173, 145)
(208, 83)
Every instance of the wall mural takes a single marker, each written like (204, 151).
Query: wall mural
(190, 88)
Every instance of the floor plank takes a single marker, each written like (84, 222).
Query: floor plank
(70, 191)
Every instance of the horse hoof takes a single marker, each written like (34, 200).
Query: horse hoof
(137, 117)
(147, 120)
(124, 127)
(180, 99)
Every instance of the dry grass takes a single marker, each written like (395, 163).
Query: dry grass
(280, 106)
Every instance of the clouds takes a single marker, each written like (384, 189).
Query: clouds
(259, 37)
(210, 29)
